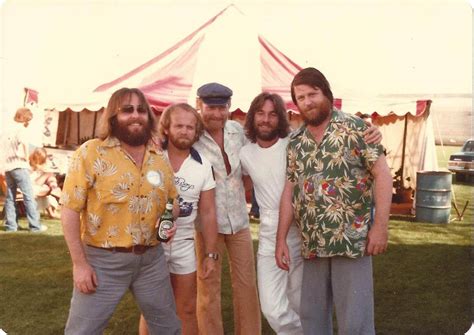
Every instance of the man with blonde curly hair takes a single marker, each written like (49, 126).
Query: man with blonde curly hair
(179, 128)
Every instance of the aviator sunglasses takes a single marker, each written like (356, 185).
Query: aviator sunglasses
(128, 109)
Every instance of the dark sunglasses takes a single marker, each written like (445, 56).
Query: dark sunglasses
(128, 109)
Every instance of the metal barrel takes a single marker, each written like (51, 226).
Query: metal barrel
(433, 196)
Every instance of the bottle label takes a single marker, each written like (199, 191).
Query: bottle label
(164, 226)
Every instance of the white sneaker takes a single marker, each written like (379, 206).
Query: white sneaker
(41, 230)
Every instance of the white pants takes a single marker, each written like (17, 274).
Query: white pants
(279, 290)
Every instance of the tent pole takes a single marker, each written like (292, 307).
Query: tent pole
(95, 122)
(403, 147)
(78, 128)
(66, 132)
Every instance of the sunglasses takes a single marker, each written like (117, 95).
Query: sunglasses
(128, 109)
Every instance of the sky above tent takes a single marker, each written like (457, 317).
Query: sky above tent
(365, 48)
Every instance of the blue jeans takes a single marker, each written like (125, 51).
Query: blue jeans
(20, 178)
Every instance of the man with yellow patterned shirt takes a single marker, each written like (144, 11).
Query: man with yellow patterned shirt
(333, 176)
(115, 191)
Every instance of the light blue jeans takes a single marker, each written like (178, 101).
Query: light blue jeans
(20, 178)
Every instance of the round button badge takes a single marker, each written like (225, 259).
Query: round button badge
(154, 178)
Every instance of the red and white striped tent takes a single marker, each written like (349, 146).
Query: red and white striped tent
(225, 49)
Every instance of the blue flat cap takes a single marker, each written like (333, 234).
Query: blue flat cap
(214, 94)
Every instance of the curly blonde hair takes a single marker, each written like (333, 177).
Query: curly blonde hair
(165, 121)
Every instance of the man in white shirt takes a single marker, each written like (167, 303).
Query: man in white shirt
(180, 127)
(263, 161)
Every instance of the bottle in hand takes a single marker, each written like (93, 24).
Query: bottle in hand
(166, 222)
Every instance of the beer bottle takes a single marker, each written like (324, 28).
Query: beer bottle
(166, 222)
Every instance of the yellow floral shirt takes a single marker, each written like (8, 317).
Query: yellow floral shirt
(119, 202)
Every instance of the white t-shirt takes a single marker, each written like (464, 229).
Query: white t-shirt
(194, 176)
(12, 147)
(267, 168)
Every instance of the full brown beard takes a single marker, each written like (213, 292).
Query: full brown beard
(266, 136)
(320, 117)
(121, 132)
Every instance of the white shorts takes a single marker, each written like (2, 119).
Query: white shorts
(181, 256)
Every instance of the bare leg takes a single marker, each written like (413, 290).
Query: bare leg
(185, 292)
(142, 327)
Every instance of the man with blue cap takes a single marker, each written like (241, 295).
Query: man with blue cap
(221, 144)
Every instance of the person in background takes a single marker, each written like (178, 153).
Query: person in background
(179, 128)
(220, 144)
(45, 184)
(332, 175)
(116, 189)
(17, 174)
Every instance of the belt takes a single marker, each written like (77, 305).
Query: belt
(137, 249)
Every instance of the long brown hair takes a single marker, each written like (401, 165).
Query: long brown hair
(115, 102)
(256, 105)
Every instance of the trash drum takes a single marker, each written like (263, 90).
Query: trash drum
(433, 196)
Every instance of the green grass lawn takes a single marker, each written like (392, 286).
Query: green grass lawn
(422, 284)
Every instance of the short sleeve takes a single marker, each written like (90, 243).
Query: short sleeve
(370, 153)
(78, 180)
(209, 180)
(243, 161)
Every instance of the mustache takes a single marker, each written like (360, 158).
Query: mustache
(136, 121)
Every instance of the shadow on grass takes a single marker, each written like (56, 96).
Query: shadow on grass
(419, 289)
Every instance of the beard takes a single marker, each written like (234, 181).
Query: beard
(266, 136)
(318, 114)
(212, 123)
(135, 139)
(181, 143)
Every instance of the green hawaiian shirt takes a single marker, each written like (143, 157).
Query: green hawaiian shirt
(332, 197)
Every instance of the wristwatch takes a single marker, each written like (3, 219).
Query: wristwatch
(213, 255)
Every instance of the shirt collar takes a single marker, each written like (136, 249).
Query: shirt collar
(336, 117)
(195, 155)
(112, 141)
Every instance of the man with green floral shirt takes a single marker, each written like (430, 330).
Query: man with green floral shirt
(332, 177)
